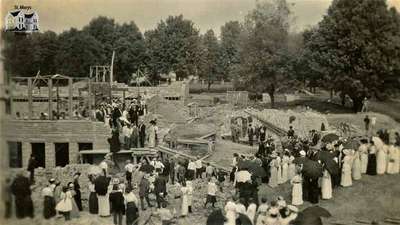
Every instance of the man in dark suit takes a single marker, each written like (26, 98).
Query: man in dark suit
(32, 165)
(142, 134)
(133, 114)
(250, 133)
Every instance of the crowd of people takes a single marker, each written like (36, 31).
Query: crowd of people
(313, 166)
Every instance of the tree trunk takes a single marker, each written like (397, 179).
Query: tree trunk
(357, 104)
(209, 85)
(272, 97)
(331, 94)
(343, 97)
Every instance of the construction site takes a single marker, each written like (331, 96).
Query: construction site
(42, 122)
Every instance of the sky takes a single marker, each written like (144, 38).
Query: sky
(60, 15)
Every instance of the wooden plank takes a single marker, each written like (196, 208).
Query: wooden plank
(191, 141)
(174, 152)
(70, 112)
(50, 85)
(392, 221)
(30, 102)
(208, 135)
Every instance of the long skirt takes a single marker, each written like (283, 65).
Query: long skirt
(346, 180)
(364, 163)
(93, 203)
(313, 190)
(381, 162)
(297, 194)
(104, 205)
(49, 207)
(326, 187)
(132, 214)
(78, 200)
(356, 170)
(24, 206)
(371, 168)
(291, 171)
(273, 180)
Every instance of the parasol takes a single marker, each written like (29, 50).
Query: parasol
(245, 164)
(257, 171)
(216, 218)
(147, 168)
(316, 211)
(243, 220)
(300, 160)
(351, 144)
(243, 176)
(330, 164)
(330, 138)
(311, 216)
(312, 169)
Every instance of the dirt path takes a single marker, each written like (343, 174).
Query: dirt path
(224, 150)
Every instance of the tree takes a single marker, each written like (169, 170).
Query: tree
(19, 55)
(104, 30)
(126, 40)
(229, 47)
(173, 46)
(78, 51)
(264, 47)
(130, 51)
(45, 48)
(357, 46)
(209, 68)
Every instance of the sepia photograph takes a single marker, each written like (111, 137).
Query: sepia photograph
(200, 112)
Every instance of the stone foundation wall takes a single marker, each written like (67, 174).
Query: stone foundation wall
(50, 132)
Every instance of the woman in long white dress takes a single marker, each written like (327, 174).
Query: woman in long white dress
(230, 213)
(152, 135)
(285, 168)
(381, 152)
(185, 202)
(279, 163)
(381, 160)
(326, 185)
(297, 190)
(273, 180)
(292, 168)
(189, 185)
(356, 169)
(363, 151)
(346, 180)
(393, 160)
(104, 203)
(251, 210)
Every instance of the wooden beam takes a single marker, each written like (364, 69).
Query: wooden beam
(50, 85)
(90, 94)
(123, 97)
(30, 105)
(70, 113)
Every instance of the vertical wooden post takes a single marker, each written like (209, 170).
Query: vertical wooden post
(70, 113)
(123, 97)
(30, 105)
(50, 84)
(90, 94)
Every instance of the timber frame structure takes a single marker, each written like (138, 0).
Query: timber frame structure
(50, 81)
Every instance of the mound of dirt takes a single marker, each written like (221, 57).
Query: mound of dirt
(301, 121)
(356, 121)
